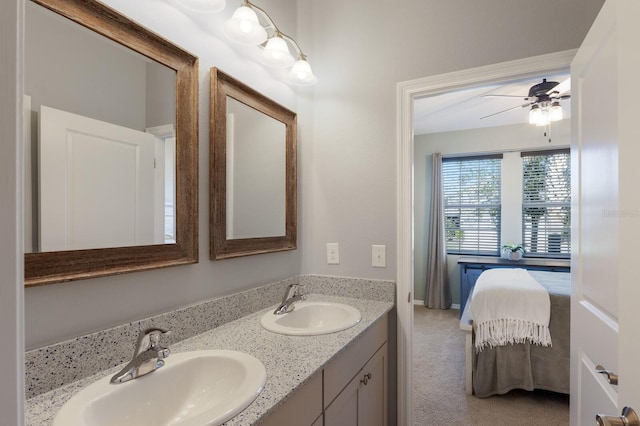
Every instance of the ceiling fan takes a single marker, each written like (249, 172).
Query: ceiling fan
(543, 98)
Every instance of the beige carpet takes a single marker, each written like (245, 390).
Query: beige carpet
(439, 397)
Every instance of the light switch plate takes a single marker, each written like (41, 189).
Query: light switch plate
(333, 254)
(378, 256)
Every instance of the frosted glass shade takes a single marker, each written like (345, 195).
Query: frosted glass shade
(534, 114)
(301, 74)
(276, 53)
(555, 112)
(244, 27)
(543, 119)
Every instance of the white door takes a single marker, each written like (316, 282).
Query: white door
(605, 307)
(97, 184)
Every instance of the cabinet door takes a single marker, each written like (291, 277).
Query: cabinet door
(305, 405)
(364, 401)
(318, 422)
(343, 411)
(372, 395)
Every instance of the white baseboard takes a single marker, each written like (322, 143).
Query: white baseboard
(421, 302)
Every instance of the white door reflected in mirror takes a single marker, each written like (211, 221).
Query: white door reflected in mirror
(98, 184)
(108, 194)
(256, 173)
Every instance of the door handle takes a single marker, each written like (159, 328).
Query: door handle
(628, 418)
(365, 379)
(611, 377)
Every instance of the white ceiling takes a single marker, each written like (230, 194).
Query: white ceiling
(463, 109)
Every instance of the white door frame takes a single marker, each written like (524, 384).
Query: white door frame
(407, 91)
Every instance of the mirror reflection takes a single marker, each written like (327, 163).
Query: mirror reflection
(98, 83)
(100, 140)
(253, 175)
(256, 178)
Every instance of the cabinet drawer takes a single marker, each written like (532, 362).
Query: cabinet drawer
(304, 406)
(339, 371)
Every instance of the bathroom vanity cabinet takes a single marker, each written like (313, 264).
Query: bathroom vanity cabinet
(350, 390)
(363, 400)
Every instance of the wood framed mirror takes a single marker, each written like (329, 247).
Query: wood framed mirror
(47, 263)
(252, 176)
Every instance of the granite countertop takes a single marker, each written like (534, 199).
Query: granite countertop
(289, 360)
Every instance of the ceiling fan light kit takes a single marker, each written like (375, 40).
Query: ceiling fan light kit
(544, 99)
(543, 113)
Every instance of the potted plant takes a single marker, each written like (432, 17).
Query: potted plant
(513, 251)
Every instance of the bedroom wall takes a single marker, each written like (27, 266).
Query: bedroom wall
(509, 140)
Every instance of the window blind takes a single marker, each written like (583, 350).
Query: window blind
(471, 191)
(546, 203)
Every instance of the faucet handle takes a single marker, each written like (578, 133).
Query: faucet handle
(154, 335)
(149, 338)
(290, 292)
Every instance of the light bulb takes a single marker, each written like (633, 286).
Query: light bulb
(543, 119)
(555, 112)
(534, 114)
(276, 53)
(301, 74)
(244, 27)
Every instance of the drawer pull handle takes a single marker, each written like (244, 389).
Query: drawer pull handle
(611, 377)
(366, 379)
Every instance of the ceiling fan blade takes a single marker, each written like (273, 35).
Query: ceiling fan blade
(505, 96)
(510, 109)
(561, 88)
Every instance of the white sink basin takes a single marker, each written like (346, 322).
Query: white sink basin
(311, 318)
(193, 388)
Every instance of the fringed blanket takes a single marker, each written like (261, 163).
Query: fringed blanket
(509, 306)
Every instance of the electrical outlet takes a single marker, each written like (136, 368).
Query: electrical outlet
(378, 256)
(333, 254)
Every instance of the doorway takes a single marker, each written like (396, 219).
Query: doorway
(407, 93)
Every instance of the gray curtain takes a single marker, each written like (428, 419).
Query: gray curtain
(438, 291)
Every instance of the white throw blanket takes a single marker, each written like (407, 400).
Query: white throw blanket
(509, 306)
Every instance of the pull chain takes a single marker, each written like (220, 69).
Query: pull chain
(547, 132)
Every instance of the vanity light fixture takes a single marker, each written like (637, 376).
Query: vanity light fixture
(245, 27)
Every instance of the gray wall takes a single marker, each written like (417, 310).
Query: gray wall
(11, 264)
(160, 108)
(61, 311)
(70, 69)
(507, 139)
(360, 50)
(259, 178)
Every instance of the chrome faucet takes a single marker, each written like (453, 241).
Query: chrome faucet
(291, 296)
(147, 357)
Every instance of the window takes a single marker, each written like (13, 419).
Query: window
(546, 203)
(471, 191)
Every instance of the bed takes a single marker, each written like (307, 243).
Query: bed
(497, 370)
